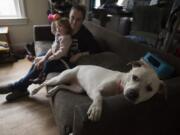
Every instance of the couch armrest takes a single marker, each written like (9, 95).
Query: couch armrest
(119, 116)
(83, 126)
(42, 33)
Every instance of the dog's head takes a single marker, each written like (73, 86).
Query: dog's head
(142, 83)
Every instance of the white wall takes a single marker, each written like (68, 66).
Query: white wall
(36, 11)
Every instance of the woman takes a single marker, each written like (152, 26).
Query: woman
(83, 43)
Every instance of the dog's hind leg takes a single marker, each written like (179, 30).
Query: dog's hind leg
(46, 83)
(64, 77)
(74, 88)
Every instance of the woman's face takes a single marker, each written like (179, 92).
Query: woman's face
(76, 20)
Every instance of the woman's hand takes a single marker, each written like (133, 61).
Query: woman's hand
(39, 62)
(51, 57)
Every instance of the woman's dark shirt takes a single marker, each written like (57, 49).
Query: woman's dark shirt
(83, 41)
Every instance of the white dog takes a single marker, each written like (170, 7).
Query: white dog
(137, 85)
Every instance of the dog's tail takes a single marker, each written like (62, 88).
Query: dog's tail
(57, 88)
(54, 90)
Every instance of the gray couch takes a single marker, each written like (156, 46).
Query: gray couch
(157, 116)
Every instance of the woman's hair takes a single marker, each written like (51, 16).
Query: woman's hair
(80, 8)
(65, 22)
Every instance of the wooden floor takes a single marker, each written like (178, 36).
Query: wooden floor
(28, 116)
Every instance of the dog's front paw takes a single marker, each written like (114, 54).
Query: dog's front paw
(94, 111)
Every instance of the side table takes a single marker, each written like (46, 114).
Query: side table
(4, 32)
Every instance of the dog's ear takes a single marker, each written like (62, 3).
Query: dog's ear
(163, 89)
(138, 63)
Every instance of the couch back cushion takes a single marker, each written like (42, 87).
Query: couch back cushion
(112, 41)
(108, 60)
(42, 33)
(126, 49)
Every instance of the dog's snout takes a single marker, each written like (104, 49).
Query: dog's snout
(132, 94)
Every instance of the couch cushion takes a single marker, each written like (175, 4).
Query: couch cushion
(126, 49)
(41, 47)
(111, 41)
(108, 60)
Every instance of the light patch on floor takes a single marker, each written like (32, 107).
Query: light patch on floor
(27, 116)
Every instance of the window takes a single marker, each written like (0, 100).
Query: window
(97, 3)
(12, 12)
(120, 2)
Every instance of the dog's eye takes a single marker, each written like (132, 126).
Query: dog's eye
(135, 78)
(149, 88)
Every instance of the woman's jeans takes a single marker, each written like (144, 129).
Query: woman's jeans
(51, 66)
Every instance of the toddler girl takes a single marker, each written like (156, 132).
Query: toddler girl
(60, 47)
